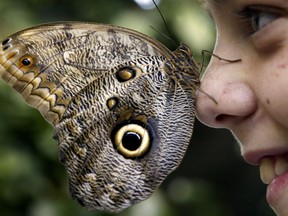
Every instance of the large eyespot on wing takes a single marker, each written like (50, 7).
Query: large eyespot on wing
(132, 139)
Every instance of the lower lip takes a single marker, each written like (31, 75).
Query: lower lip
(276, 188)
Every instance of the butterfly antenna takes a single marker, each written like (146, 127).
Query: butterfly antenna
(164, 35)
(165, 23)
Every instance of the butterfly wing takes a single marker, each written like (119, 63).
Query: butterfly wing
(121, 103)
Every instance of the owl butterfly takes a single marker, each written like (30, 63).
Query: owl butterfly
(121, 103)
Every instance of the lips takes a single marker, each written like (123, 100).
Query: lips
(272, 167)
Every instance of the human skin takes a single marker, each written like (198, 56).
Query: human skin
(252, 94)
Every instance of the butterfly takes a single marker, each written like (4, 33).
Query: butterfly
(121, 104)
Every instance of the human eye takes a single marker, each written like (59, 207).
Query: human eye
(259, 16)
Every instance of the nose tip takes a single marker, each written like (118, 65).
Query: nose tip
(235, 100)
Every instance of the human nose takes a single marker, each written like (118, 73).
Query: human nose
(233, 97)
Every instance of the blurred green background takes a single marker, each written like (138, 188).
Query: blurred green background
(213, 179)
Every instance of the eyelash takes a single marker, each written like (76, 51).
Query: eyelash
(253, 14)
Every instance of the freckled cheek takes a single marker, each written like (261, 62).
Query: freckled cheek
(273, 90)
(282, 66)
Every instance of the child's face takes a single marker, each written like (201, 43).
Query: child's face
(252, 95)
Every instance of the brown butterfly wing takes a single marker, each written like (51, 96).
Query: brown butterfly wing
(122, 105)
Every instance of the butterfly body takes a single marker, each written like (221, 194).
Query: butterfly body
(121, 103)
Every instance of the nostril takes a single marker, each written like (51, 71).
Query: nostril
(225, 119)
(221, 117)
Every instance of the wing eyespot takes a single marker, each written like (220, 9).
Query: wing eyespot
(128, 73)
(132, 139)
(6, 47)
(26, 61)
(6, 41)
(112, 103)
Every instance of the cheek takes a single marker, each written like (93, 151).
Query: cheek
(272, 89)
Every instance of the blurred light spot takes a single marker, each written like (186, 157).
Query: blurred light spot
(194, 27)
(147, 4)
(180, 190)
(154, 206)
(15, 164)
(44, 208)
